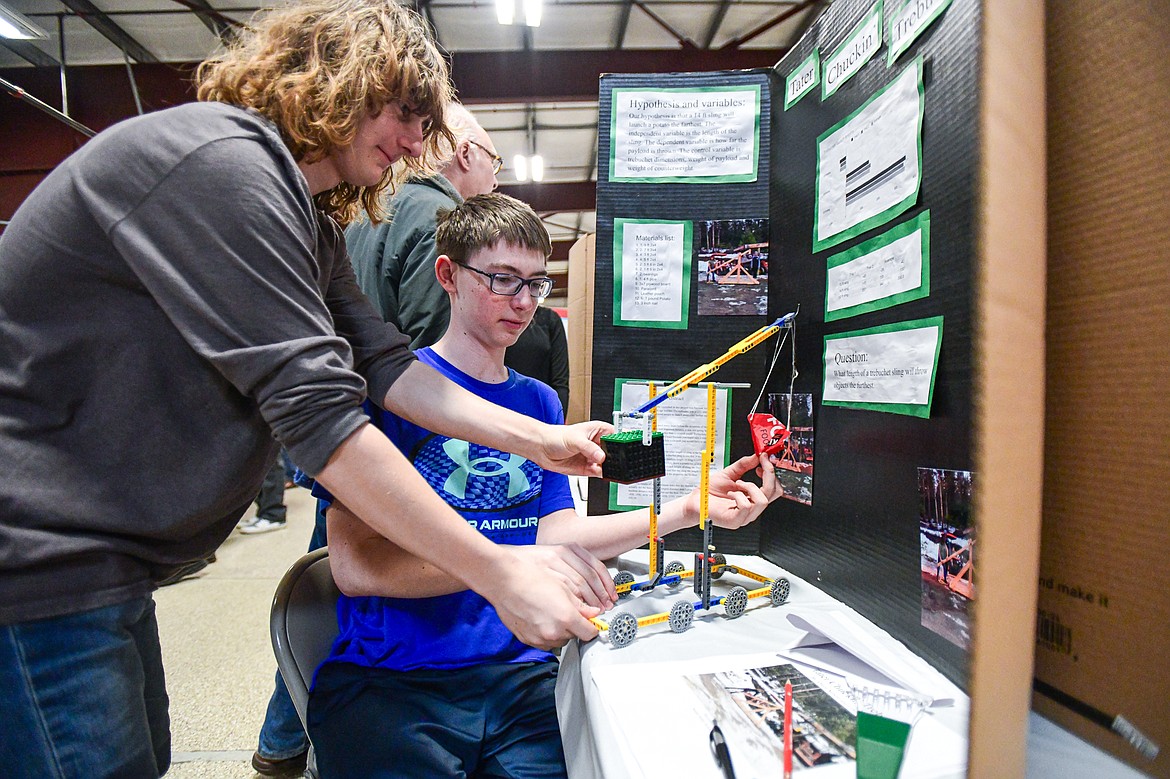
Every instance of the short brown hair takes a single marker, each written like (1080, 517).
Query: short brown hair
(482, 221)
(316, 68)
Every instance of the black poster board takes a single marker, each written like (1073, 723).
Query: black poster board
(664, 354)
(859, 539)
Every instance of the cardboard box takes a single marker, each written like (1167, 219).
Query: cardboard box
(580, 305)
(1103, 624)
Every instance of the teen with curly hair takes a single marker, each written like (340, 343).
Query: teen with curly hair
(176, 294)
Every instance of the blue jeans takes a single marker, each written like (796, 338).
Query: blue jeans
(282, 736)
(270, 501)
(84, 695)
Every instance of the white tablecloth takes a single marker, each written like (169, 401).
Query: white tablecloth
(611, 731)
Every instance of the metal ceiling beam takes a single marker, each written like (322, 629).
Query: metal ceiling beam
(619, 37)
(29, 52)
(716, 20)
(97, 19)
(808, 22)
(548, 197)
(735, 43)
(683, 40)
(523, 77)
(221, 26)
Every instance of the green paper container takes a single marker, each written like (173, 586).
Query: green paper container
(880, 745)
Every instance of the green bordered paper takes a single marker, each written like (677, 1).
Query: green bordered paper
(882, 272)
(863, 42)
(686, 135)
(801, 81)
(651, 273)
(891, 368)
(908, 22)
(683, 422)
(869, 165)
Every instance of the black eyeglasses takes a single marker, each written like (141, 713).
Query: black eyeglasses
(510, 285)
(497, 160)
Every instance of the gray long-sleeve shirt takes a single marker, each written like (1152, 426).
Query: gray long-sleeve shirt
(170, 300)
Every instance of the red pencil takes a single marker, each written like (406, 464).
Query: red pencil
(787, 730)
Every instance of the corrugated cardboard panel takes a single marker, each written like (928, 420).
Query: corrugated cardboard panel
(580, 304)
(1009, 395)
(1104, 628)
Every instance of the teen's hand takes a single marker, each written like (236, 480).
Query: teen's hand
(586, 576)
(573, 449)
(536, 603)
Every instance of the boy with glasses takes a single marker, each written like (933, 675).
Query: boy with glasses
(421, 665)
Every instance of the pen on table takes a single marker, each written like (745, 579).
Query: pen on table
(787, 730)
(719, 749)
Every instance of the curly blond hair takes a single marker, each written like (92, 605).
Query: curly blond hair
(317, 68)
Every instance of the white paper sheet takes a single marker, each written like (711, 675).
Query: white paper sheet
(685, 134)
(683, 423)
(662, 720)
(888, 270)
(868, 167)
(894, 367)
(651, 265)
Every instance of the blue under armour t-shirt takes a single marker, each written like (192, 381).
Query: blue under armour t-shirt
(501, 494)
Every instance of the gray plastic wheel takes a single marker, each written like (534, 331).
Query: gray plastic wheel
(672, 568)
(620, 578)
(735, 602)
(778, 591)
(720, 559)
(623, 629)
(681, 614)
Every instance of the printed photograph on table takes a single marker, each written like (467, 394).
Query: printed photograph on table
(749, 707)
(794, 463)
(732, 278)
(947, 552)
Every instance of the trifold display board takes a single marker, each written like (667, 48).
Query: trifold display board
(852, 183)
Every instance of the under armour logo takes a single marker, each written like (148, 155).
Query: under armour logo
(459, 452)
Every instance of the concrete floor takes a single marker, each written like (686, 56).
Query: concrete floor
(218, 657)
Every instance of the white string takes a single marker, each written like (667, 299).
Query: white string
(775, 359)
(791, 328)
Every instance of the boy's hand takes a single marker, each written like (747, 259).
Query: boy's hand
(732, 502)
(573, 449)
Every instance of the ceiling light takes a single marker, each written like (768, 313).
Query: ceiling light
(537, 163)
(520, 166)
(505, 11)
(15, 26)
(532, 13)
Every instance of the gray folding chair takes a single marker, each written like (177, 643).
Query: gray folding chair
(303, 623)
